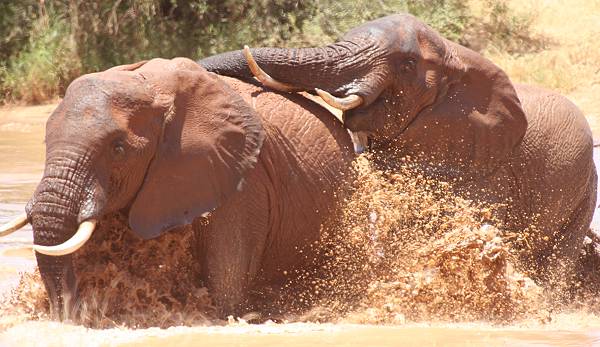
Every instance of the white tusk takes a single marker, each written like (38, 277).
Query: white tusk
(71, 245)
(360, 140)
(14, 225)
(264, 78)
(347, 103)
(337, 113)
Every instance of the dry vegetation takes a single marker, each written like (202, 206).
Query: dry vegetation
(570, 61)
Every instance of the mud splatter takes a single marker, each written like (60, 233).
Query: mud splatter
(126, 281)
(27, 302)
(410, 250)
(405, 250)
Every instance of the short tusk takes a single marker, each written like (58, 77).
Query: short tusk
(71, 245)
(347, 103)
(14, 225)
(360, 140)
(264, 78)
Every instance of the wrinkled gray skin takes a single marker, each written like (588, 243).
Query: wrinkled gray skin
(464, 121)
(166, 142)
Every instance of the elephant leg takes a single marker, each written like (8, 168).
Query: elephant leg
(233, 245)
(567, 263)
(588, 261)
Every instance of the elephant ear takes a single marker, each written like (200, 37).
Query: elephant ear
(477, 120)
(211, 138)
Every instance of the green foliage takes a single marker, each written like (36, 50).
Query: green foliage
(47, 43)
(15, 25)
(335, 17)
(45, 66)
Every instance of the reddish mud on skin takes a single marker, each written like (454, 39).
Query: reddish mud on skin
(21, 152)
(423, 96)
(265, 228)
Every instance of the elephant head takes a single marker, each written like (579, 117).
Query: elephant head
(405, 87)
(163, 141)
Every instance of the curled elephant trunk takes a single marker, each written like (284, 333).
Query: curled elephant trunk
(333, 68)
(347, 103)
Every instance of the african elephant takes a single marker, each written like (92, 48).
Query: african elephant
(411, 92)
(167, 143)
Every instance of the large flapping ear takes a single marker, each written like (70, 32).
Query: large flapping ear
(211, 138)
(477, 120)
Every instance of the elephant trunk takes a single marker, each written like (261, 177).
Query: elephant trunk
(54, 214)
(336, 68)
(53, 224)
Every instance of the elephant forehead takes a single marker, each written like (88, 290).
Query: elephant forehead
(396, 32)
(158, 65)
(99, 90)
(93, 107)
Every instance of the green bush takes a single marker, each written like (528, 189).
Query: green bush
(44, 68)
(46, 44)
(335, 17)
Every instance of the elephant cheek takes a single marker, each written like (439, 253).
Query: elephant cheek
(358, 120)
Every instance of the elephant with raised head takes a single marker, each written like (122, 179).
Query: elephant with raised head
(411, 92)
(166, 143)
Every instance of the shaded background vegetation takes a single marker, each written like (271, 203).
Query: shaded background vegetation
(45, 44)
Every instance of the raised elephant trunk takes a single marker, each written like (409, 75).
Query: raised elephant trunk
(333, 68)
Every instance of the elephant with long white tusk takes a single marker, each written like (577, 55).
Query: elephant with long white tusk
(165, 143)
(83, 233)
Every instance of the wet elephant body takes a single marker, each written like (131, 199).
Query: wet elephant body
(167, 144)
(292, 192)
(413, 93)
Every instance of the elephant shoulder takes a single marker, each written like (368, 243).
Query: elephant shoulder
(548, 110)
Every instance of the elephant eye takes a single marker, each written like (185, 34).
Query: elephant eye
(408, 64)
(118, 150)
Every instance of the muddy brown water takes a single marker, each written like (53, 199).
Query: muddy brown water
(21, 166)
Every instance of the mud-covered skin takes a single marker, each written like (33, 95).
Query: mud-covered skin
(461, 117)
(166, 142)
(286, 199)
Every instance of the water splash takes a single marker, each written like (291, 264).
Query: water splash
(405, 250)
